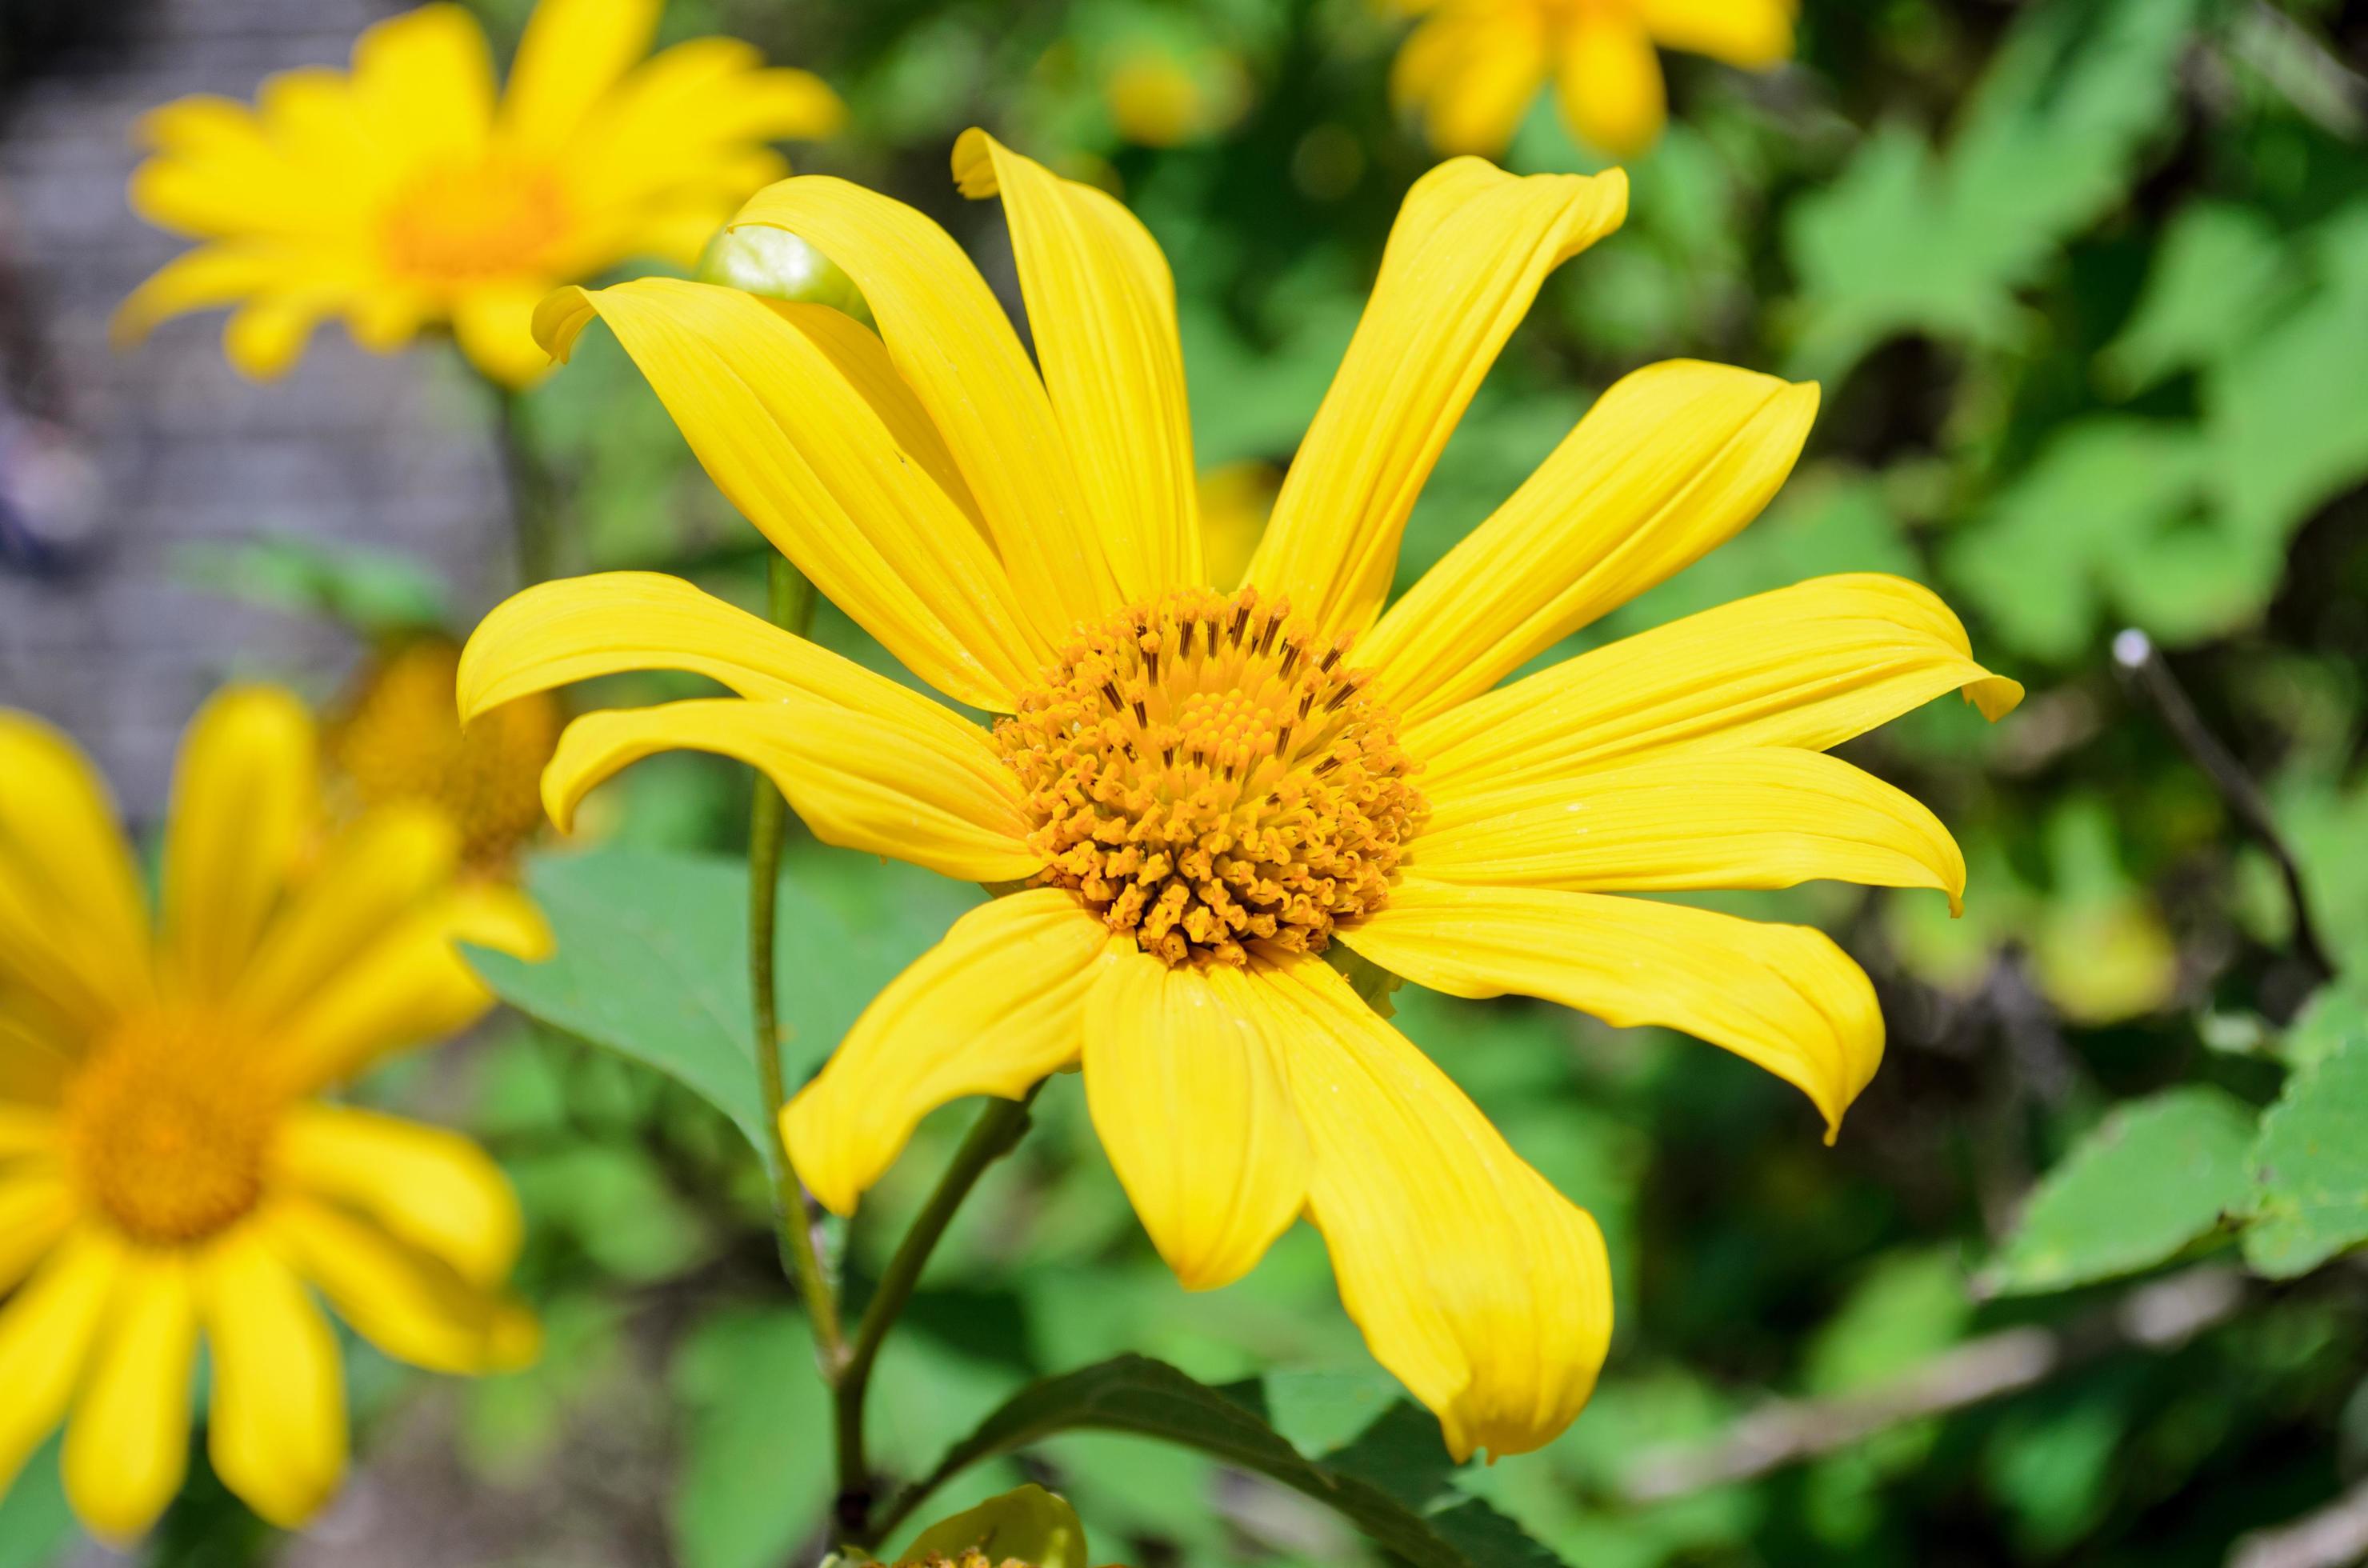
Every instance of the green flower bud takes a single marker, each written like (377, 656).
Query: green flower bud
(757, 258)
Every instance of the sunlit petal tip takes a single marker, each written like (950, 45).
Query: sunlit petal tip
(560, 320)
(974, 164)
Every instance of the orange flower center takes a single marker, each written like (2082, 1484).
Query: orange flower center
(167, 1130)
(468, 222)
(1205, 772)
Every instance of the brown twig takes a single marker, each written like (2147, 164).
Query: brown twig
(2336, 1535)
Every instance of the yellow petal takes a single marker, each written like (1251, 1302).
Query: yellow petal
(1187, 1093)
(1668, 464)
(26, 1132)
(194, 280)
(127, 1442)
(682, 125)
(798, 417)
(277, 1428)
(1754, 34)
(946, 801)
(1469, 249)
(495, 327)
(408, 987)
(574, 53)
(1473, 75)
(426, 79)
(1103, 306)
(246, 798)
(997, 1006)
(74, 926)
(1810, 666)
(264, 338)
(1609, 81)
(34, 1056)
(1759, 818)
(435, 1189)
(35, 1207)
(409, 1303)
(953, 342)
(1782, 997)
(46, 1333)
(1486, 1291)
(377, 871)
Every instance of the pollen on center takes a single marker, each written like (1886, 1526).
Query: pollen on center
(1205, 772)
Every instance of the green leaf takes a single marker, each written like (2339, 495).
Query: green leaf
(652, 959)
(2312, 1165)
(35, 1522)
(1413, 1510)
(2218, 271)
(374, 592)
(1026, 1523)
(2160, 1174)
(756, 1455)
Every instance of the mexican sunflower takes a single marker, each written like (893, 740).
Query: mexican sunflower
(167, 1173)
(402, 195)
(1198, 793)
(1472, 68)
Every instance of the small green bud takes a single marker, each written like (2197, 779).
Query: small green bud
(757, 258)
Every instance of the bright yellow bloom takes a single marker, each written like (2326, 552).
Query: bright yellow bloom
(1205, 789)
(402, 195)
(165, 1171)
(1473, 67)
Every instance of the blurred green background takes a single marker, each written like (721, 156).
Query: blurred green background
(2085, 282)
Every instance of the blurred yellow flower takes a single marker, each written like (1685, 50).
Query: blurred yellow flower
(1473, 67)
(1156, 98)
(402, 195)
(1234, 502)
(166, 1173)
(1205, 789)
(395, 738)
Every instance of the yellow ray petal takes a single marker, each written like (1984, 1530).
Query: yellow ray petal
(1757, 818)
(377, 871)
(36, 1206)
(1190, 1098)
(991, 1009)
(1472, 76)
(944, 802)
(682, 122)
(1485, 1291)
(409, 1303)
(46, 1333)
(494, 328)
(1810, 666)
(1668, 464)
(574, 53)
(1782, 997)
(435, 1189)
(74, 926)
(246, 798)
(797, 415)
(212, 275)
(1103, 306)
(264, 338)
(127, 1442)
(426, 79)
(36, 1050)
(277, 1428)
(1469, 249)
(1754, 34)
(1608, 83)
(954, 346)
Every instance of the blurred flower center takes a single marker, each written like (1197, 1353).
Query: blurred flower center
(463, 222)
(167, 1129)
(1206, 771)
(397, 739)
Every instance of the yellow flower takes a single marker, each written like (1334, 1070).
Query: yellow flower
(166, 1172)
(394, 738)
(1235, 500)
(402, 195)
(1205, 790)
(1473, 67)
(1157, 98)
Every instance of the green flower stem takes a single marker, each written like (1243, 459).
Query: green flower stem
(790, 601)
(533, 489)
(995, 1133)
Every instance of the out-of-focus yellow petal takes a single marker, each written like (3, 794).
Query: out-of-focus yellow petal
(36, 1206)
(426, 77)
(1608, 83)
(264, 338)
(1670, 463)
(194, 280)
(574, 53)
(1103, 306)
(495, 327)
(1471, 249)
(435, 1190)
(34, 1056)
(1810, 666)
(1754, 34)
(1188, 1096)
(1472, 74)
(954, 346)
(919, 794)
(409, 1303)
(376, 872)
(682, 122)
(997, 1006)
(74, 926)
(127, 1442)
(276, 1429)
(1757, 818)
(409, 987)
(46, 1333)
(798, 417)
(1782, 997)
(1485, 1291)
(245, 799)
